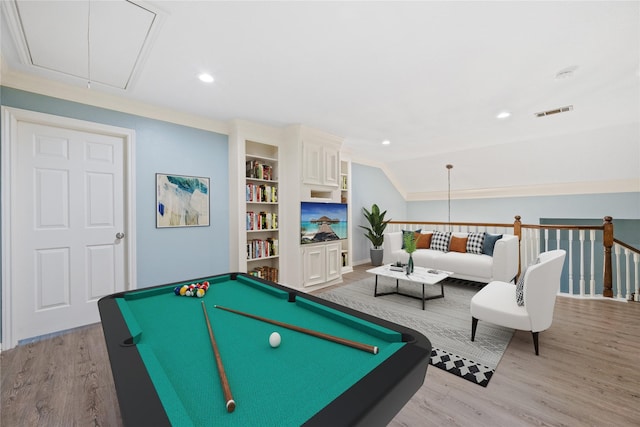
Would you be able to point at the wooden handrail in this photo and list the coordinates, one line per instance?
(626, 246)
(481, 224)
(607, 239)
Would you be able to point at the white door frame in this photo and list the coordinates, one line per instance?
(10, 119)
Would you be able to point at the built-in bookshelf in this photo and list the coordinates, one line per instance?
(262, 214)
(345, 197)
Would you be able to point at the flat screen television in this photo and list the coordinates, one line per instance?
(322, 222)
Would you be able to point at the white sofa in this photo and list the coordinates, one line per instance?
(502, 265)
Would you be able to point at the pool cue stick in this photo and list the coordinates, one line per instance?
(226, 389)
(360, 346)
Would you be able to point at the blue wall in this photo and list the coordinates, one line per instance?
(371, 185)
(169, 254)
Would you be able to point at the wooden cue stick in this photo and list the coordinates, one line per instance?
(360, 346)
(226, 389)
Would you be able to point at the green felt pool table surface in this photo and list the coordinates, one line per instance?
(287, 385)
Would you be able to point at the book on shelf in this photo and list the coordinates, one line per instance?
(266, 273)
(256, 170)
(261, 221)
(261, 193)
(262, 248)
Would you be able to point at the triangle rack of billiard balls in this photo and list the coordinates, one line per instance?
(192, 290)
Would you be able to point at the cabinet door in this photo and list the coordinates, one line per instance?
(314, 260)
(331, 166)
(312, 163)
(334, 266)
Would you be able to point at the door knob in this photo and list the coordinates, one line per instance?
(119, 235)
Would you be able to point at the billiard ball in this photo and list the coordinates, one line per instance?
(274, 339)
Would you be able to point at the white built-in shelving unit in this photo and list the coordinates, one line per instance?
(261, 210)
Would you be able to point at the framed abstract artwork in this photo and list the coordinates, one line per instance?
(182, 201)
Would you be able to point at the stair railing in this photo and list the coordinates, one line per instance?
(586, 272)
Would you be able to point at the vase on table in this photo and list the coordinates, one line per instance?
(410, 265)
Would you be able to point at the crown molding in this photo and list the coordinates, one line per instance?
(41, 86)
(630, 185)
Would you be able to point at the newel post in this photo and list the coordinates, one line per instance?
(607, 241)
(517, 230)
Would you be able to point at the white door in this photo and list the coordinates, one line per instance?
(67, 216)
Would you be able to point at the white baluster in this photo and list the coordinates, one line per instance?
(636, 261)
(546, 239)
(627, 283)
(616, 249)
(558, 238)
(592, 280)
(582, 282)
(570, 262)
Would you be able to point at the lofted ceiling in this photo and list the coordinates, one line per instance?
(429, 76)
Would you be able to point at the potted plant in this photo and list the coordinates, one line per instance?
(375, 232)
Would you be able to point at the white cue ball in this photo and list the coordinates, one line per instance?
(274, 339)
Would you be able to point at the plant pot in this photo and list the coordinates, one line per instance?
(376, 256)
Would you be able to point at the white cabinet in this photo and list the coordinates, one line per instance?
(320, 164)
(321, 263)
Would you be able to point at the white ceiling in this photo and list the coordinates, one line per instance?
(428, 76)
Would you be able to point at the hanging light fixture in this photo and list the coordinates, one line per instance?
(89, 44)
(449, 167)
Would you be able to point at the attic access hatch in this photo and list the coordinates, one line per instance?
(97, 41)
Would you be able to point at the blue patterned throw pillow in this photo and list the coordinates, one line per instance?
(475, 242)
(440, 241)
(520, 285)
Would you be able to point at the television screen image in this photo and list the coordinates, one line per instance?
(322, 222)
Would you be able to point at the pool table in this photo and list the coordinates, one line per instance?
(164, 369)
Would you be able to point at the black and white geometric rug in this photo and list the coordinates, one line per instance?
(445, 321)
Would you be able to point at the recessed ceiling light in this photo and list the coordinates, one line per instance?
(503, 115)
(386, 142)
(207, 78)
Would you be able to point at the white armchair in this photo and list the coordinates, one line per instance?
(497, 301)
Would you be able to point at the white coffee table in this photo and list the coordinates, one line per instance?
(424, 276)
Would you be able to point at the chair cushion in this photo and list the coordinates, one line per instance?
(496, 303)
(475, 242)
(440, 241)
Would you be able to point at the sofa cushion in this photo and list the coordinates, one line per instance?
(489, 243)
(440, 241)
(423, 240)
(405, 232)
(458, 244)
(475, 242)
(466, 265)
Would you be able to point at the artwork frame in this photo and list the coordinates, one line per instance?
(182, 201)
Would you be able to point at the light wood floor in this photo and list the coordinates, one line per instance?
(587, 374)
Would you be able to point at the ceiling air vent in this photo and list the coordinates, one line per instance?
(554, 111)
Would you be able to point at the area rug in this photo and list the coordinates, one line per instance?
(446, 322)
